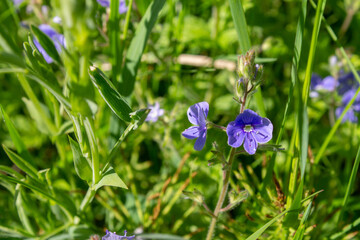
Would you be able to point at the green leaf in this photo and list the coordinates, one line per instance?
(112, 97)
(20, 207)
(82, 166)
(110, 178)
(11, 172)
(13, 59)
(21, 163)
(16, 139)
(294, 80)
(46, 43)
(239, 19)
(60, 199)
(137, 47)
(302, 227)
(36, 116)
(260, 231)
(51, 87)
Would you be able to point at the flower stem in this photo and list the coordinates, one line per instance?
(223, 193)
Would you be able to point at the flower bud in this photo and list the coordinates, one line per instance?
(258, 74)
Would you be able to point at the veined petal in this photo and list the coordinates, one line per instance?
(200, 142)
(235, 135)
(263, 132)
(198, 112)
(248, 117)
(250, 144)
(192, 132)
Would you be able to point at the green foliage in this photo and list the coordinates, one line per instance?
(78, 156)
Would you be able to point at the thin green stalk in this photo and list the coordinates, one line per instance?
(294, 81)
(30, 93)
(89, 128)
(123, 39)
(87, 199)
(350, 185)
(114, 38)
(222, 195)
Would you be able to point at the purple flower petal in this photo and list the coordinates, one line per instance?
(200, 142)
(329, 83)
(349, 115)
(248, 117)
(122, 5)
(192, 132)
(197, 113)
(235, 135)
(250, 145)
(263, 132)
(155, 112)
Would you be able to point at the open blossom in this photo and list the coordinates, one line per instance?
(57, 38)
(249, 128)
(328, 84)
(122, 5)
(155, 112)
(197, 115)
(113, 236)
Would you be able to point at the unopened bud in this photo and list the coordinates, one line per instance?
(258, 74)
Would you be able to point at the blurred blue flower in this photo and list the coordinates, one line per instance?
(57, 20)
(57, 38)
(349, 116)
(113, 236)
(155, 112)
(122, 5)
(249, 128)
(197, 115)
(347, 82)
(17, 2)
(355, 108)
(328, 84)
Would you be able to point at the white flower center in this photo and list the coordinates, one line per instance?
(248, 128)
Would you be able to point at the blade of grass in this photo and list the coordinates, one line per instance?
(350, 185)
(114, 21)
(294, 80)
(260, 231)
(301, 229)
(239, 19)
(137, 46)
(303, 133)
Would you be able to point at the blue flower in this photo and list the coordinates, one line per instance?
(57, 38)
(328, 84)
(197, 115)
(249, 128)
(122, 5)
(155, 112)
(347, 82)
(113, 236)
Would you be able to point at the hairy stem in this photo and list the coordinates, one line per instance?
(222, 195)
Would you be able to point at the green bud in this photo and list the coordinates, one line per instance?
(195, 195)
(258, 74)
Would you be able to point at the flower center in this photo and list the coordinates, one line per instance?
(248, 128)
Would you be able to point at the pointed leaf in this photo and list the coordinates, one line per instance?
(112, 97)
(82, 166)
(15, 137)
(110, 178)
(21, 163)
(137, 47)
(46, 43)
